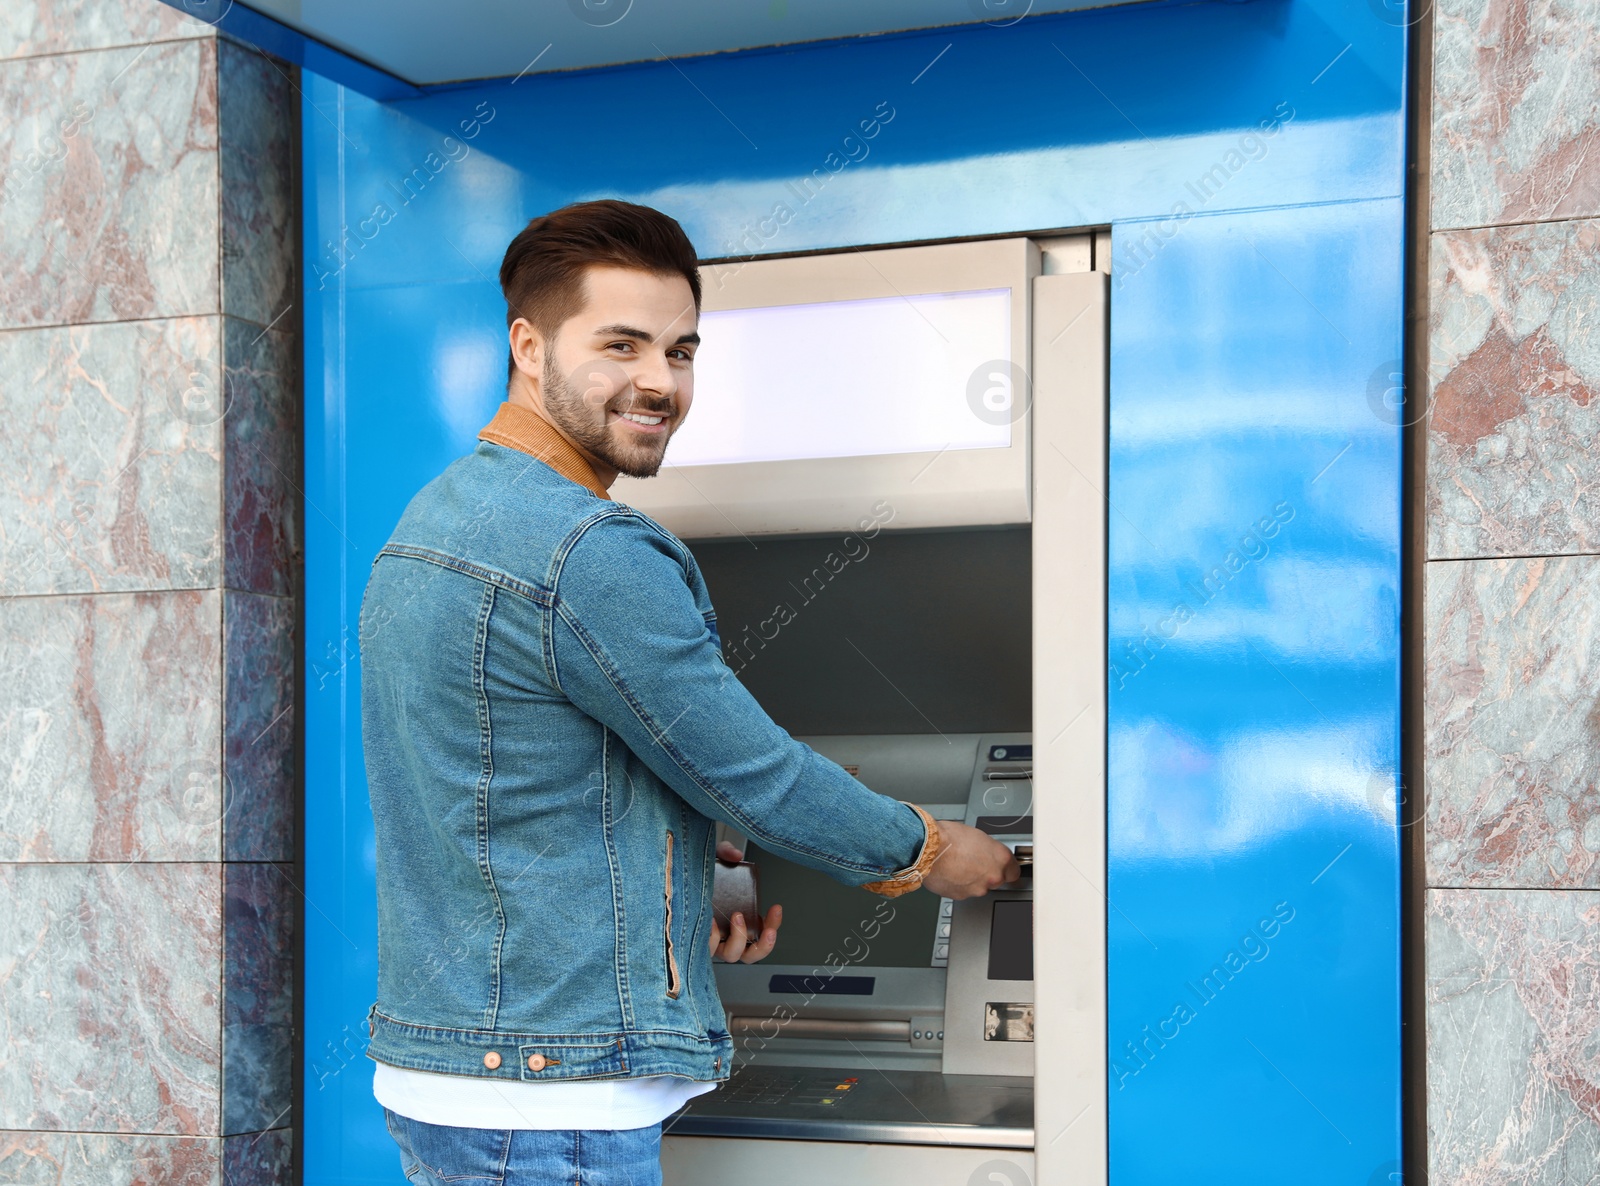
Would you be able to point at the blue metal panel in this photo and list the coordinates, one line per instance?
(1253, 700)
(1249, 750)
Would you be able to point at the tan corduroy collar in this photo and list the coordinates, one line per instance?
(517, 428)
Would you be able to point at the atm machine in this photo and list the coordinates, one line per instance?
(894, 481)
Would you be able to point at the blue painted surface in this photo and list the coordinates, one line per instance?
(1248, 751)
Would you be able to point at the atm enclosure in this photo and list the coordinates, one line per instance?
(943, 407)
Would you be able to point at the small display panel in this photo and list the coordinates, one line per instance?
(903, 374)
(1011, 941)
(828, 925)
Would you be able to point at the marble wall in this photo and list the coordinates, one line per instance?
(149, 557)
(1512, 596)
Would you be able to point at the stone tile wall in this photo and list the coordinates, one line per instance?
(1512, 682)
(148, 567)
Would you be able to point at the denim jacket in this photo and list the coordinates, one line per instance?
(550, 732)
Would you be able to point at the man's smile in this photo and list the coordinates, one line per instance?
(643, 421)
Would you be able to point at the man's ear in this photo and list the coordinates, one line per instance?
(527, 348)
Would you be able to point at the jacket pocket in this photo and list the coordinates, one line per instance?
(673, 983)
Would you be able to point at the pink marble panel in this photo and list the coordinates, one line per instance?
(1512, 722)
(30, 27)
(63, 1159)
(108, 175)
(111, 1009)
(1515, 352)
(1513, 990)
(258, 1037)
(111, 727)
(259, 649)
(1516, 111)
(262, 443)
(111, 462)
(257, 108)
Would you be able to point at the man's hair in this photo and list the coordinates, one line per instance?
(542, 273)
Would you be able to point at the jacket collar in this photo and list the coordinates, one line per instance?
(517, 428)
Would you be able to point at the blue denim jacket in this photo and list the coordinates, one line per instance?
(549, 732)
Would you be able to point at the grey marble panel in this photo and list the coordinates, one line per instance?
(111, 727)
(93, 1159)
(257, 106)
(1512, 722)
(1513, 990)
(262, 447)
(108, 170)
(111, 1016)
(258, 1159)
(29, 27)
(1515, 355)
(1516, 111)
(258, 1038)
(259, 649)
(111, 465)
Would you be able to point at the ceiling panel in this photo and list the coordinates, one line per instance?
(425, 41)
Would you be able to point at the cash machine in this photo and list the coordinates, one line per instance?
(895, 485)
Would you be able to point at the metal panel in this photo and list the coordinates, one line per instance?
(937, 487)
(1069, 713)
(1254, 695)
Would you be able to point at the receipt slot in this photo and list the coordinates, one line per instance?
(959, 665)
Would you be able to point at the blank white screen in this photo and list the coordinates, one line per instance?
(844, 379)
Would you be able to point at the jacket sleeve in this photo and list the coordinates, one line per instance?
(630, 647)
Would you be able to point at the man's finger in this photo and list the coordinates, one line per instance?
(738, 937)
(762, 948)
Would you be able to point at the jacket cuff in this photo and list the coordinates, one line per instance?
(910, 878)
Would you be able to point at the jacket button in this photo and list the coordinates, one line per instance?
(536, 1062)
(492, 1060)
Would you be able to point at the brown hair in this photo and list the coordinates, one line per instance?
(542, 273)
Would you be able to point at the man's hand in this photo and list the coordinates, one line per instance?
(970, 864)
(737, 947)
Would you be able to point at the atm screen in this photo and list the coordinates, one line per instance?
(1011, 941)
(825, 923)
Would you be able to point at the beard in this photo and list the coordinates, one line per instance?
(586, 419)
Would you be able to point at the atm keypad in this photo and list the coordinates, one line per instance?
(783, 1085)
(941, 940)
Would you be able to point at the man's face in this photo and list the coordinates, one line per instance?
(618, 377)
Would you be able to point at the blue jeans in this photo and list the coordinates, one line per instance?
(434, 1155)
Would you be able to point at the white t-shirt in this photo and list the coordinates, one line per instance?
(470, 1101)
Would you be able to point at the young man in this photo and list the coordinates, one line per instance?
(550, 733)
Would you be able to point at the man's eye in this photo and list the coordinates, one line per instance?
(621, 346)
(684, 355)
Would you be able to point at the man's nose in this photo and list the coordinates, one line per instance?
(654, 374)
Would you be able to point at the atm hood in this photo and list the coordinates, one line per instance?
(420, 43)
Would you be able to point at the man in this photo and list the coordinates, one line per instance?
(550, 733)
